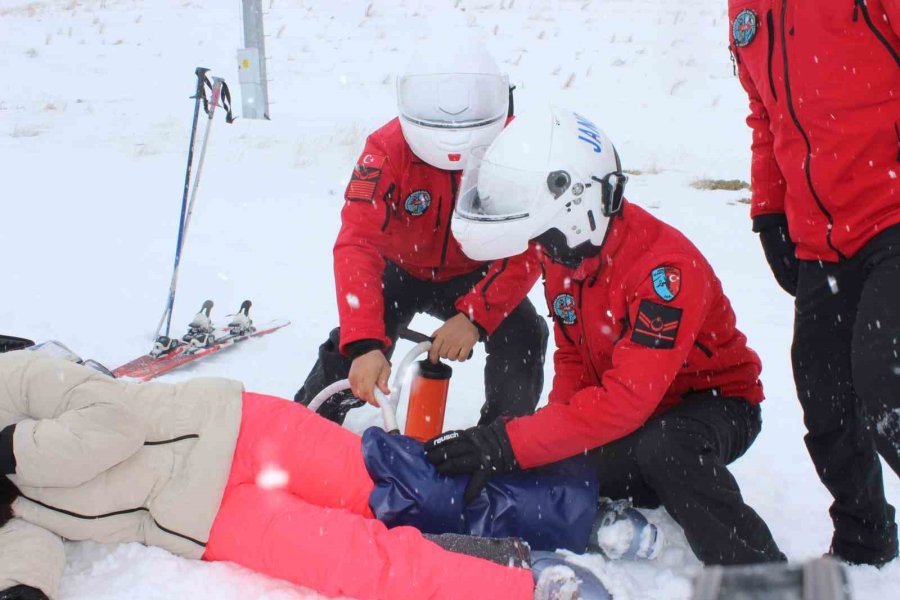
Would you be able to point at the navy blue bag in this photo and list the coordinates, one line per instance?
(551, 507)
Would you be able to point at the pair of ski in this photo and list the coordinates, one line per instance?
(201, 340)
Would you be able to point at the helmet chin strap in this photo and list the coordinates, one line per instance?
(553, 243)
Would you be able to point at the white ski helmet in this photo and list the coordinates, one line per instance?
(451, 98)
(554, 178)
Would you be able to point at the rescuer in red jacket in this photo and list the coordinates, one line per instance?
(823, 79)
(396, 256)
(652, 378)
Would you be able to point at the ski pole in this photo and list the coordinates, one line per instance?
(198, 97)
(216, 95)
(220, 93)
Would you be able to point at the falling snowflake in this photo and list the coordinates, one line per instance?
(272, 478)
(352, 301)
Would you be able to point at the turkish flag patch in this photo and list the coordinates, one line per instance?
(656, 325)
(365, 178)
(666, 282)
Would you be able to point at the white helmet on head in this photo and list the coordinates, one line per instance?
(451, 98)
(554, 178)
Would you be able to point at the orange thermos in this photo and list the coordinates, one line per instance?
(428, 400)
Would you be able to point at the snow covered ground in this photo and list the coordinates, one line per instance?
(94, 123)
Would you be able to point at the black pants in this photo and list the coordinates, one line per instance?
(678, 460)
(513, 371)
(846, 357)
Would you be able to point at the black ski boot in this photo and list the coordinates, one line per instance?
(555, 578)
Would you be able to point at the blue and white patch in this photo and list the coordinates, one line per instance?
(564, 307)
(417, 202)
(744, 27)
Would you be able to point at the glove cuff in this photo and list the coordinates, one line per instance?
(771, 221)
(360, 347)
(507, 457)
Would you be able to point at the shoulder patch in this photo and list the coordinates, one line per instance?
(656, 325)
(417, 203)
(744, 27)
(666, 282)
(365, 178)
(564, 307)
(373, 161)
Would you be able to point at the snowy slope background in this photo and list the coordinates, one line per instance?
(94, 123)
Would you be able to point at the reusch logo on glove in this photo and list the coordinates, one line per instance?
(446, 438)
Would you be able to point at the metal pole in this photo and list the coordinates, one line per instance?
(252, 63)
(199, 97)
(218, 85)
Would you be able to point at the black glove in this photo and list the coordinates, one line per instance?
(779, 249)
(480, 451)
(23, 592)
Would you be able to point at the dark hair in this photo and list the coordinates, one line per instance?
(8, 493)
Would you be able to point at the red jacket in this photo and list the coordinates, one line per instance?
(637, 327)
(824, 83)
(398, 208)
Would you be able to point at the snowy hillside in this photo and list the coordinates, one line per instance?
(94, 124)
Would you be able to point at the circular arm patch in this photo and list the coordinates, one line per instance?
(744, 27)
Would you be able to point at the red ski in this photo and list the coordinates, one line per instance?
(199, 343)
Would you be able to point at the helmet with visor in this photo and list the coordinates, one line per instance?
(451, 98)
(552, 178)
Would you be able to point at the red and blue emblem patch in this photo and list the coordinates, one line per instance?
(744, 27)
(417, 203)
(666, 282)
(656, 325)
(564, 307)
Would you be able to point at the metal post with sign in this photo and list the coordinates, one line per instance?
(252, 64)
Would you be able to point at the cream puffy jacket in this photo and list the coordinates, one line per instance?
(100, 459)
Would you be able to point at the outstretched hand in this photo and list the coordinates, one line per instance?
(367, 371)
(479, 451)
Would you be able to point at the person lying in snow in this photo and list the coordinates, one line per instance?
(208, 471)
